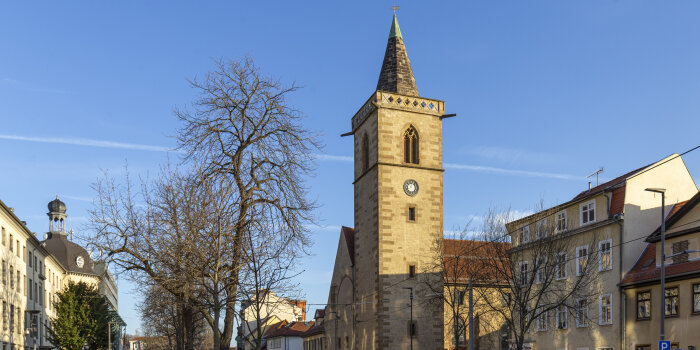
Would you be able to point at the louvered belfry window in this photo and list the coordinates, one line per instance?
(410, 141)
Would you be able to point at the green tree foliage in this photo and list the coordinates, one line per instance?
(82, 316)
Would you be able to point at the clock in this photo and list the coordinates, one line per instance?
(79, 261)
(410, 187)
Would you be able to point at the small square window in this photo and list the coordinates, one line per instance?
(411, 271)
(411, 214)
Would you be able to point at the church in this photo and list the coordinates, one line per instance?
(384, 278)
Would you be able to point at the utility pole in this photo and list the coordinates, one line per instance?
(410, 327)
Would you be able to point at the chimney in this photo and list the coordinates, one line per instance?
(589, 185)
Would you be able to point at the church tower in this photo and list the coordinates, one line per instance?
(398, 210)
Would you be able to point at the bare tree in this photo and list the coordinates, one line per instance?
(243, 129)
(163, 232)
(458, 257)
(266, 285)
(536, 275)
(161, 317)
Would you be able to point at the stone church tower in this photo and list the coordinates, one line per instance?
(398, 211)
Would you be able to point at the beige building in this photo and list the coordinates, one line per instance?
(610, 221)
(398, 214)
(34, 271)
(682, 296)
(273, 309)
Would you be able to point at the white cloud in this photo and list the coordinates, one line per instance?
(494, 170)
(331, 157)
(16, 84)
(510, 155)
(324, 227)
(88, 143)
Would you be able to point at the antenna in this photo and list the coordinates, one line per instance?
(596, 176)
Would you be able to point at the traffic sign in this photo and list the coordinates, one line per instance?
(664, 345)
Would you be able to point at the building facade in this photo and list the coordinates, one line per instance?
(681, 300)
(34, 271)
(606, 224)
(381, 265)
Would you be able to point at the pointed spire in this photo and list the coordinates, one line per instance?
(396, 74)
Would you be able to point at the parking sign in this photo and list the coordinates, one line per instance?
(664, 345)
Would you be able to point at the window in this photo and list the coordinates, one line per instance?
(644, 305)
(12, 242)
(605, 309)
(560, 221)
(461, 332)
(541, 229)
(410, 141)
(365, 152)
(276, 343)
(680, 247)
(606, 348)
(17, 250)
(581, 260)
(560, 266)
(587, 212)
(542, 320)
(30, 289)
(411, 214)
(4, 315)
(523, 273)
(459, 297)
(541, 270)
(30, 259)
(525, 234)
(671, 301)
(4, 240)
(696, 298)
(12, 278)
(642, 347)
(605, 255)
(582, 313)
(411, 271)
(561, 317)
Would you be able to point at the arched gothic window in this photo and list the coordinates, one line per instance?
(410, 145)
(365, 152)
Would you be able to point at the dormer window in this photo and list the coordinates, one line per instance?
(410, 144)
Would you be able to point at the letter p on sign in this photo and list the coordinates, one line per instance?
(664, 345)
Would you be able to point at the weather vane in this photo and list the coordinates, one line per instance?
(395, 8)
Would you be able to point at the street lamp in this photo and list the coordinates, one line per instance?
(662, 191)
(34, 326)
(410, 326)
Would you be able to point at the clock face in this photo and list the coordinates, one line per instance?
(410, 187)
(79, 261)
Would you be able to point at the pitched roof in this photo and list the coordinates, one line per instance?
(294, 329)
(396, 74)
(463, 260)
(614, 182)
(646, 271)
(316, 329)
(320, 313)
(676, 213)
(349, 234)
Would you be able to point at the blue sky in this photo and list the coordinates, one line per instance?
(541, 89)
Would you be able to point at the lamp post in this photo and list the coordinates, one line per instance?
(33, 326)
(410, 326)
(662, 191)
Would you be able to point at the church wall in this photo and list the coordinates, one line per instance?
(402, 242)
(366, 242)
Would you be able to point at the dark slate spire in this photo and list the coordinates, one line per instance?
(396, 74)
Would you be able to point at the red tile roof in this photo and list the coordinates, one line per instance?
(645, 270)
(614, 182)
(349, 234)
(316, 329)
(320, 313)
(294, 329)
(462, 260)
(676, 213)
